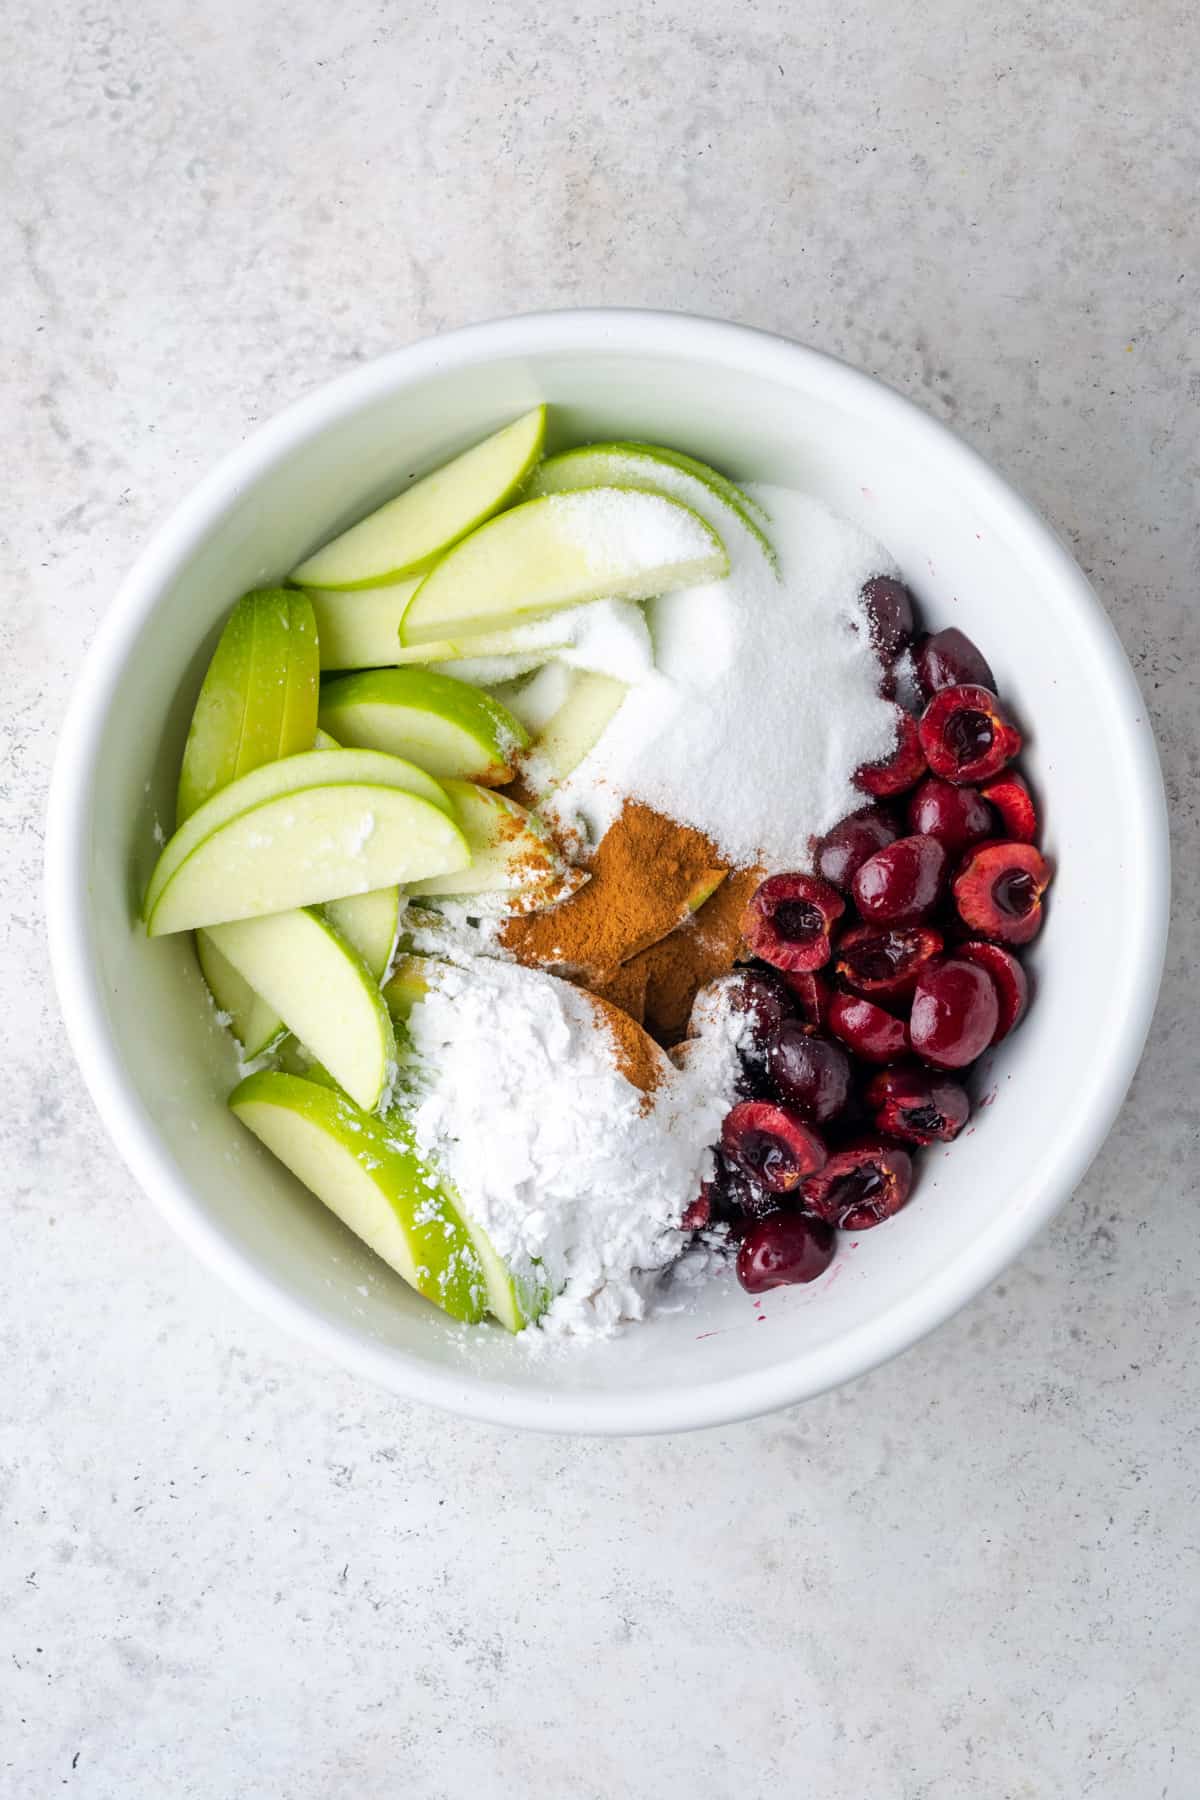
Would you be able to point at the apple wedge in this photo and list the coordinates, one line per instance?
(515, 1301)
(322, 990)
(403, 535)
(738, 498)
(442, 724)
(254, 1024)
(572, 730)
(547, 635)
(366, 1170)
(511, 850)
(304, 848)
(610, 637)
(408, 983)
(258, 700)
(536, 699)
(652, 470)
(369, 923)
(313, 769)
(360, 628)
(559, 551)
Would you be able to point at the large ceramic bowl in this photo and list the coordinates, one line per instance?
(978, 556)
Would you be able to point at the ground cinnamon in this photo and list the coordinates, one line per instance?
(626, 989)
(672, 972)
(645, 873)
(638, 1057)
(657, 919)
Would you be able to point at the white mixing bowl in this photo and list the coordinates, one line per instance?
(762, 409)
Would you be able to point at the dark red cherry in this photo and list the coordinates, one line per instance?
(760, 995)
(788, 920)
(841, 852)
(966, 735)
(1013, 801)
(998, 891)
(883, 961)
(810, 994)
(955, 1012)
(950, 659)
(957, 816)
(917, 1105)
(891, 613)
(770, 1144)
(809, 1072)
(862, 1185)
(902, 883)
(784, 1250)
(872, 1033)
(901, 768)
(1011, 982)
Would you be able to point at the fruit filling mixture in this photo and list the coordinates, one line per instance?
(605, 879)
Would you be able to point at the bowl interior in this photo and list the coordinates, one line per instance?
(976, 557)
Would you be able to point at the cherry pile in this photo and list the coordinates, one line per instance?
(874, 982)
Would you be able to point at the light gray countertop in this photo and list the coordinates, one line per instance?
(230, 1572)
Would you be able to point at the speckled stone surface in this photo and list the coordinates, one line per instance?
(229, 1572)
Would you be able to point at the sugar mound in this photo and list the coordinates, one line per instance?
(765, 696)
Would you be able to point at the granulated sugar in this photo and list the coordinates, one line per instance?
(765, 699)
(623, 529)
(577, 1175)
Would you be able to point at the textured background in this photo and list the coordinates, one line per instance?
(229, 1572)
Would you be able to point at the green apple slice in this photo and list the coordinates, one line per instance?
(442, 724)
(366, 1171)
(511, 850)
(572, 731)
(360, 628)
(258, 701)
(291, 1057)
(545, 635)
(322, 990)
(407, 984)
(603, 543)
(536, 700)
(611, 637)
(738, 498)
(432, 514)
(305, 848)
(515, 1301)
(369, 923)
(254, 1024)
(509, 693)
(655, 471)
(313, 769)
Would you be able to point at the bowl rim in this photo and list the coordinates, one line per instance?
(674, 335)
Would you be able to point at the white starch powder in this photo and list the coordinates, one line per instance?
(563, 1161)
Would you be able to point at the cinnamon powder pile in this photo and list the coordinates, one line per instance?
(638, 1057)
(672, 972)
(645, 873)
(658, 918)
